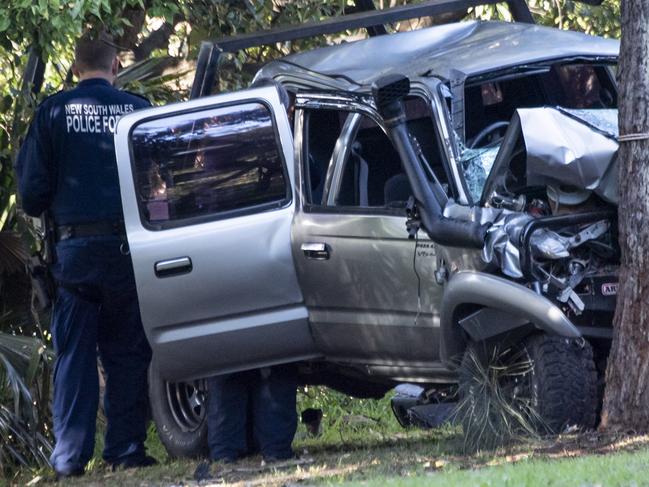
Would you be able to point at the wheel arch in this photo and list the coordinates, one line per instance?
(477, 305)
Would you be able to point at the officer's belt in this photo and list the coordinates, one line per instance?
(65, 232)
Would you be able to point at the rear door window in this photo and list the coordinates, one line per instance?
(207, 165)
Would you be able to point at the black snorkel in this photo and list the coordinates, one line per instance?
(389, 92)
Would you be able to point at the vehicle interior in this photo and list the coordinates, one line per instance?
(373, 176)
(491, 103)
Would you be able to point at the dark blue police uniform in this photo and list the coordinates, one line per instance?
(67, 166)
(252, 411)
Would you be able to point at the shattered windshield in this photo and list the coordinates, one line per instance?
(476, 165)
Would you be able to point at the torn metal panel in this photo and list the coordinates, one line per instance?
(548, 244)
(565, 149)
(501, 243)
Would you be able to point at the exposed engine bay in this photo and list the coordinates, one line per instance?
(548, 190)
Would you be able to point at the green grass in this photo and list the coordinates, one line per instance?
(617, 469)
(414, 458)
(345, 420)
(362, 444)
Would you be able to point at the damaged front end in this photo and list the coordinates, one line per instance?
(549, 191)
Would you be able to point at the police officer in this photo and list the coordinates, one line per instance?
(67, 166)
(254, 410)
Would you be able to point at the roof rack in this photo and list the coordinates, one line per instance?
(210, 51)
(369, 18)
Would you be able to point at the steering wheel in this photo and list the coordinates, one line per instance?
(487, 131)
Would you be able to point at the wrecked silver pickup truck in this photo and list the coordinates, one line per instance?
(435, 191)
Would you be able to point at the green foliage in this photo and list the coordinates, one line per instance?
(346, 419)
(603, 20)
(213, 20)
(25, 367)
(53, 24)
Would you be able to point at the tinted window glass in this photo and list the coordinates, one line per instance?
(584, 86)
(206, 163)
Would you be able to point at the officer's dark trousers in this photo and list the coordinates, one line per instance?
(264, 397)
(97, 311)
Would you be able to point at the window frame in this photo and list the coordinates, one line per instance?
(354, 106)
(212, 216)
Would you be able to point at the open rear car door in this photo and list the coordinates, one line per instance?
(207, 190)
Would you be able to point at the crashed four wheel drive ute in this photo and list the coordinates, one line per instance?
(437, 192)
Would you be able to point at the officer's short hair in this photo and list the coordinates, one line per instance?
(95, 50)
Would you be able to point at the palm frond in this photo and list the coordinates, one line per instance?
(146, 70)
(157, 78)
(13, 253)
(496, 405)
(25, 366)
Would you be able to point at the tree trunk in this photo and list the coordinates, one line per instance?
(158, 39)
(626, 400)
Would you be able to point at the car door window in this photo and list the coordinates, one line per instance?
(371, 167)
(205, 165)
(373, 174)
(348, 155)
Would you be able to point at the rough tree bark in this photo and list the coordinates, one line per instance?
(626, 400)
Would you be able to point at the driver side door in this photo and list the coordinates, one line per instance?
(370, 289)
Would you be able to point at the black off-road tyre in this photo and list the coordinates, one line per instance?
(564, 382)
(561, 382)
(178, 410)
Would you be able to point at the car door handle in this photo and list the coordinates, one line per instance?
(173, 267)
(315, 250)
